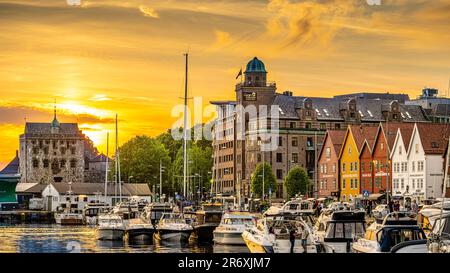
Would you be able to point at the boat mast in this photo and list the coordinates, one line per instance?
(106, 168)
(184, 126)
(118, 162)
(117, 166)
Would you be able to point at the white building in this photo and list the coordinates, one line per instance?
(57, 194)
(426, 160)
(399, 160)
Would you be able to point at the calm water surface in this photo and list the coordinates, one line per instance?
(60, 239)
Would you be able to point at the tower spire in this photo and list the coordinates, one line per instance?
(55, 122)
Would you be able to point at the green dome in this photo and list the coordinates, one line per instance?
(255, 65)
(55, 123)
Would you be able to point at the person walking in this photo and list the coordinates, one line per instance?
(292, 239)
(305, 235)
(397, 206)
(414, 207)
(391, 205)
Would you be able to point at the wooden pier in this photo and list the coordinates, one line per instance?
(27, 217)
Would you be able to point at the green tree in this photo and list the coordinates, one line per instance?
(140, 159)
(296, 181)
(199, 167)
(257, 179)
(170, 143)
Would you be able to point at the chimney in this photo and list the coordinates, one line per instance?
(17, 153)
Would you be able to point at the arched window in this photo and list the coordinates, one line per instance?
(73, 163)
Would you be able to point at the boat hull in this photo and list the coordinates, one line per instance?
(69, 221)
(175, 236)
(140, 235)
(204, 233)
(255, 247)
(110, 234)
(228, 238)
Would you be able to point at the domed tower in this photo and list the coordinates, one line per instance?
(254, 89)
(255, 73)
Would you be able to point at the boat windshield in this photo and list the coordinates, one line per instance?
(348, 230)
(238, 221)
(392, 237)
(175, 221)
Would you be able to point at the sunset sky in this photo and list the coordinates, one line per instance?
(104, 57)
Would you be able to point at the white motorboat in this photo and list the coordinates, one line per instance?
(231, 227)
(396, 229)
(272, 235)
(68, 215)
(92, 210)
(68, 218)
(110, 227)
(152, 212)
(342, 229)
(439, 239)
(172, 227)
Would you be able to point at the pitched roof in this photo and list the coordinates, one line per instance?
(362, 133)
(434, 137)
(390, 129)
(337, 139)
(30, 187)
(93, 188)
(12, 167)
(45, 128)
(370, 110)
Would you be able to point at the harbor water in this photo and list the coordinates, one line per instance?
(82, 239)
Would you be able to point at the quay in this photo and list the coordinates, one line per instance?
(27, 217)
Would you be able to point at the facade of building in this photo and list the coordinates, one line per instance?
(349, 159)
(399, 161)
(366, 168)
(56, 152)
(426, 160)
(328, 164)
(302, 124)
(436, 108)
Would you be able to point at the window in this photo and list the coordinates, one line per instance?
(417, 148)
(73, 163)
(321, 168)
(402, 183)
(334, 168)
(343, 167)
(325, 168)
(343, 183)
(45, 163)
(292, 125)
(337, 126)
(309, 142)
(280, 141)
(294, 142)
(46, 150)
(35, 163)
(72, 150)
(294, 158)
(420, 166)
(62, 163)
(362, 166)
(308, 125)
(356, 166)
(349, 150)
(334, 184)
(414, 183)
(279, 174)
(279, 157)
(323, 126)
(328, 152)
(351, 183)
(381, 146)
(400, 150)
(370, 166)
(413, 166)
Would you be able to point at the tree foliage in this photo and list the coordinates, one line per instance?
(296, 181)
(257, 180)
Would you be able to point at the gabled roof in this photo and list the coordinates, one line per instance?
(93, 188)
(365, 145)
(360, 135)
(434, 137)
(12, 167)
(46, 128)
(391, 129)
(337, 139)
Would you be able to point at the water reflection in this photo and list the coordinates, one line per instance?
(76, 239)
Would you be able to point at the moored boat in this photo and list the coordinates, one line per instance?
(231, 227)
(138, 230)
(208, 219)
(110, 227)
(172, 227)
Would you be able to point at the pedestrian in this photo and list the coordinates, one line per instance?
(305, 235)
(292, 239)
(397, 206)
(414, 207)
(369, 208)
(391, 205)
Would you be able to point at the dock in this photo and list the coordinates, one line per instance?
(27, 217)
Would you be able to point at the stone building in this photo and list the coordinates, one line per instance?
(54, 152)
(302, 124)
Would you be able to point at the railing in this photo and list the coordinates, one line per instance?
(255, 84)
